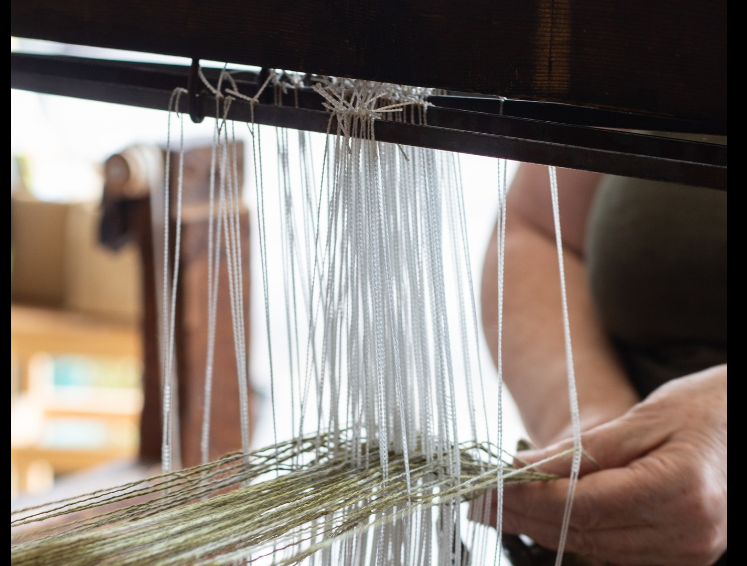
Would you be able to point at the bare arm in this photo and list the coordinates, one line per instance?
(661, 496)
(534, 355)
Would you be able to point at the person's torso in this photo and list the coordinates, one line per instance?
(657, 262)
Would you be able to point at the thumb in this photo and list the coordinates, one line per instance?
(612, 445)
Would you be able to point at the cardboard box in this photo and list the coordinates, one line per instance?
(37, 237)
(98, 281)
(58, 263)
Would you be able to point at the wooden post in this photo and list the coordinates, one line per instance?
(192, 336)
(127, 216)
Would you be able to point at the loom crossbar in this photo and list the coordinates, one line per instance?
(449, 128)
(653, 57)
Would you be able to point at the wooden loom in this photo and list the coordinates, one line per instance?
(569, 70)
(584, 65)
(566, 68)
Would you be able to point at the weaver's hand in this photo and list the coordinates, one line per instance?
(661, 496)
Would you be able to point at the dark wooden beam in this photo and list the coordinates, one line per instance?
(659, 57)
(493, 135)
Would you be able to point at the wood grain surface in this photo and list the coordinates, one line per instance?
(662, 57)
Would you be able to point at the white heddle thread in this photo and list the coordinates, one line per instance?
(169, 447)
(572, 391)
(370, 259)
(355, 146)
(214, 256)
(501, 228)
(224, 165)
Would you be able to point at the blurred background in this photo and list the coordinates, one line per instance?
(80, 332)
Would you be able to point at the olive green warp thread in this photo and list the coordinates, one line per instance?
(212, 514)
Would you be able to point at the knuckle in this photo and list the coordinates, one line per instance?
(703, 517)
(706, 545)
(583, 542)
(704, 501)
(712, 541)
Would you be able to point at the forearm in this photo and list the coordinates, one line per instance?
(533, 343)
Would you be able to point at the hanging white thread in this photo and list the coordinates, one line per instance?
(229, 222)
(214, 262)
(288, 242)
(214, 252)
(572, 391)
(233, 174)
(382, 209)
(501, 228)
(170, 428)
(259, 188)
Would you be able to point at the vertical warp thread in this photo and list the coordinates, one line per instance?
(572, 391)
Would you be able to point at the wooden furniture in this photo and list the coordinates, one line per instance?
(36, 405)
(127, 218)
(36, 330)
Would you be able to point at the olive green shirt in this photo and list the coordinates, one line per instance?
(657, 263)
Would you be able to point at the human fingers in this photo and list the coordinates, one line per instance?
(546, 534)
(665, 472)
(684, 516)
(607, 499)
(611, 445)
(626, 546)
(633, 545)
